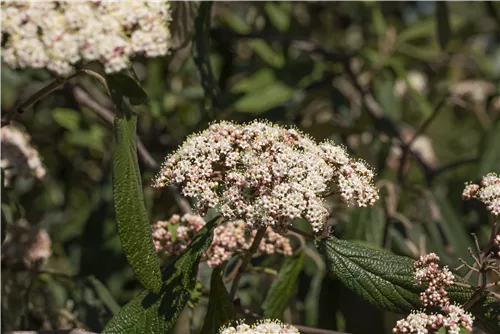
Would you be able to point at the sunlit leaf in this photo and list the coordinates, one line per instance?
(283, 288)
(158, 312)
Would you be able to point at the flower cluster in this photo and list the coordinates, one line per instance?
(452, 317)
(452, 321)
(60, 34)
(262, 327)
(25, 246)
(173, 236)
(488, 192)
(18, 156)
(266, 175)
(427, 270)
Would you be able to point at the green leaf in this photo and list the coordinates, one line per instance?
(133, 223)
(104, 294)
(3, 227)
(366, 225)
(490, 158)
(259, 101)
(220, 308)
(158, 312)
(387, 280)
(443, 24)
(259, 79)
(67, 118)
(127, 84)
(283, 288)
(279, 14)
(195, 295)
(201, 55)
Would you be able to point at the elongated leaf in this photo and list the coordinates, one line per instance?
(387, 280)
(104, 294)
(283, 288)
(443, 23)
(490, 158)
(220, 308)
(201, 54)
(133, 223)
(158, 312)
(127, 84)
(3, 220)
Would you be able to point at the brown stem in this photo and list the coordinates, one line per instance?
(246, 260)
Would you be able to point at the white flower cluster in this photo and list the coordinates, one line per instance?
(18, 156)
(25, 245)
(60, 34)
(266, 175)
(487, 192)
(171, 237)
(453, 321)
(264, 327)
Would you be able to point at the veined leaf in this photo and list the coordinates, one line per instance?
(158, 312)
(220, 308)
(282, 289)
(133, 223)
(387, 280)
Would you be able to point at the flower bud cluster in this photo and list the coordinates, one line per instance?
(262, 327)
(25, 246)
(453, 319)
(427, 270)
(173, 236)
(57, 35)
(266, 175)
(18, 156)
(488, 192)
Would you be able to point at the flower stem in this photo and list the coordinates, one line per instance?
(246, 260)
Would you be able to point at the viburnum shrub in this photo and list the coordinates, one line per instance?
(257, 198)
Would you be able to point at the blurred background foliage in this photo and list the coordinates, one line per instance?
(430, 68)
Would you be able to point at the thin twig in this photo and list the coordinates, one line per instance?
(246, 260)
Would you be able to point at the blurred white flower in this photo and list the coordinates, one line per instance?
(61, 34)
(262, 327)
(18, 156)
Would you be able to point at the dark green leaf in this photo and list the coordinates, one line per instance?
(387, 280)
(490, 158)
(127, 84)
(443, 24)
(283, 288)
(201, 55)
(182, 25)
(104, 294)
(158, 312)
(195, 295)
(220, 308)
(3, 227)
(133, 223)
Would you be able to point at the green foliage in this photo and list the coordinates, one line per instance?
(283, 288)
(220, 308)
(133, 222)
(388, 282)
(127, 84)
(151, 312)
